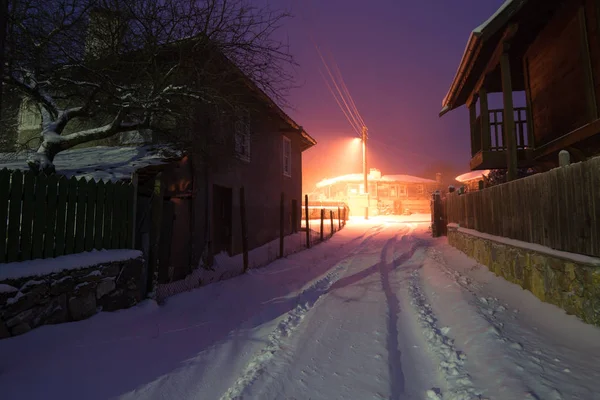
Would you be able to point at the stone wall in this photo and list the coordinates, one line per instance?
(69, 295)
(563, 280)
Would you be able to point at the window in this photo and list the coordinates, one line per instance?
(287, 156)
(420, 189)
(401, 190)
(242, 137)
(29, 117)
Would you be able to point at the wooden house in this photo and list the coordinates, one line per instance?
(550, 50)
(470, 180)
(388, 194)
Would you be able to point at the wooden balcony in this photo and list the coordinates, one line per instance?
(488, 150)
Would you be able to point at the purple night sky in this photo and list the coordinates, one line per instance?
(398, 59)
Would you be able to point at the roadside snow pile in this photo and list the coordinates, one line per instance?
(226, 266)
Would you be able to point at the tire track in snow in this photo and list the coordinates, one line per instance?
(290, 323)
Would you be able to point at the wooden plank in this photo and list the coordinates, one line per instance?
(61, 215)
(4, 196)
(39, 219)
(331, 220)
(244, 225)
(281, 224)
(472, 122)
(50, 231)
(509, 117)
(27, 214)
(14, 217)
(71, 214)
(99, 216)
(529, 102)
(80, 216)
(322, 222)
(485, 120)
(90, 212)
(133, 222)
(108, 215)
(307, 217)
(590, 89)
(155, 234)
(118, 214)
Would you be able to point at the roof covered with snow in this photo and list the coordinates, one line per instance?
(472, 175)
(100, 162)
(479, 36)
(384, 178)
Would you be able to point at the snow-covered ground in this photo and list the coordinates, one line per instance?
(379, 311)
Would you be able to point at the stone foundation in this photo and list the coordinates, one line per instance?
(563, 279)
(69, 295)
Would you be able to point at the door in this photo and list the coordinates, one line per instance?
(222, 220)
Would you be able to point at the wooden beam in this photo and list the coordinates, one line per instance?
(472, 122)
(590, 89)
(494, 60)
(508, 120)
(569, 139)
(529, 102)
(486, 137)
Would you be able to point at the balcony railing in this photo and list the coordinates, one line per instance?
(486, 150)
(496, 131)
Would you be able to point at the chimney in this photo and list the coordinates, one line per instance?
(374, 173)
(438, 178)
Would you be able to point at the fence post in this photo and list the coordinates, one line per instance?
(331, 217)
(322, 220)
(307, 225)
(294, 216)
(564, 158)
(244, 227)
(281, 224)
(339, 215)
(134, 183)
(157, 210)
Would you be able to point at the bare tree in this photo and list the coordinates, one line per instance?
(96, 68)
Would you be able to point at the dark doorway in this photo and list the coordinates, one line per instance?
(222, 219)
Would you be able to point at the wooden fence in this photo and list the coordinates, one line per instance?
(559, 209)
(49, 216)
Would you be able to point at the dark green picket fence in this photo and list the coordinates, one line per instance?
(50, 216)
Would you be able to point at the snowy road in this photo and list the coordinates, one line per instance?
(380, 311)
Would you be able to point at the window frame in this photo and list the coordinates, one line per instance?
(286, 158)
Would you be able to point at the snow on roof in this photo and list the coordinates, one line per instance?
(484, 25)
(100, 162)
(472, 175)
(385, 178)
(406, 179)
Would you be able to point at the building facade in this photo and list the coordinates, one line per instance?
(387, 194)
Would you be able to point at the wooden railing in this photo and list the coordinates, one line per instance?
(496, 126)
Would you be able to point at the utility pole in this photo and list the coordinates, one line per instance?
(365, 172)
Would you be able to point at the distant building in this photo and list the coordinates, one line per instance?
(471, 179)
(388, 194)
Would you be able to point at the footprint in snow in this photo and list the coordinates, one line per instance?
(516, 346)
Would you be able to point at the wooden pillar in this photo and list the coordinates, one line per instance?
(508, 120)
(472, 124)
(590, 89)
(529, 101)
(486, 136)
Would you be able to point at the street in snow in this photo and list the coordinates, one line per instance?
(380, 311)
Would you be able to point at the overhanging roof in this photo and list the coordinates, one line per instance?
(480, 45)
